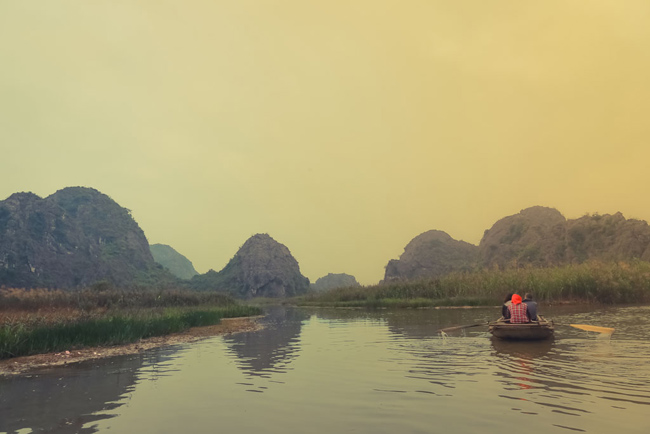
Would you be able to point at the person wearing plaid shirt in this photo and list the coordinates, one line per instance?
(518, 311)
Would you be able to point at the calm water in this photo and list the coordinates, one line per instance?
(349, 371)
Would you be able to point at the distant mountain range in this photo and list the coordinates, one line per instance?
(78, 236)
(536, 236)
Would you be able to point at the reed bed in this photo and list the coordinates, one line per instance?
(22, 338)
(12, 299)
(41, 320)
(590, 282)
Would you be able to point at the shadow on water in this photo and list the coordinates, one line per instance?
(273, 348)
(64, 399)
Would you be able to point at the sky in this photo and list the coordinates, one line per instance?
(342, 128)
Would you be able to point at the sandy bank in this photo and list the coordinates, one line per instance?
(19, 365)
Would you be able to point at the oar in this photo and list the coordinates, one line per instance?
(591, 328)
(448, 329)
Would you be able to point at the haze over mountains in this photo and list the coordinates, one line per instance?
(79, 236)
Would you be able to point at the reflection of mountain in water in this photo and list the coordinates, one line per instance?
(272, 348)
(63, 400)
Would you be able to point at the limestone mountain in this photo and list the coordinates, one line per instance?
(542, 237)
(262, 267)
(432, 254)
(607, 238)
(536, 236)
(176, 263)
(333, 280)
(74, 237)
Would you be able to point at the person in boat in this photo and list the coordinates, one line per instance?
(518, 311)
(504, 309)
(531, 306)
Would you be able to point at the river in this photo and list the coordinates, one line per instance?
(355, 371)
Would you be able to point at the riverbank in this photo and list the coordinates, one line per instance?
(590, 282)
(227, 326)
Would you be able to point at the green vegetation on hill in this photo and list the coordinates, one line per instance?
(599, 282)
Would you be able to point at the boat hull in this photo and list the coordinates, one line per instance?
(533, 331)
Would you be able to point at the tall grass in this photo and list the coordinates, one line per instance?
(90, 299)
(588, 282)
(19, 338)
(41, 320)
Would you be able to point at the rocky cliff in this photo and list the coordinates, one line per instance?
(432, 254)
(173, 261)
(75, 237)
(333, 280)
(262, 267)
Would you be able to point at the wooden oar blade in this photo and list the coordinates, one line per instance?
(448, 329)
(591, 328)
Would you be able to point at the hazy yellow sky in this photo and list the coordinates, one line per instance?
(341, 128)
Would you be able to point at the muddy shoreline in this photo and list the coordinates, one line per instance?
(227, 326)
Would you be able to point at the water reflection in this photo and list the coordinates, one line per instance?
(65, 399)
(377, 371)
(272, 349)
(522, 350)
(426, 323)
(573, 378)
(416, 323)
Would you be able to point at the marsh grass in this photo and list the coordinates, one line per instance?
(12, 299)
(20, 338)
(41, 320)
(591, 282)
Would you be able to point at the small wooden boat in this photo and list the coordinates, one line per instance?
(531, 331)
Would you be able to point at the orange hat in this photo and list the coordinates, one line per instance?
(516, 299)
